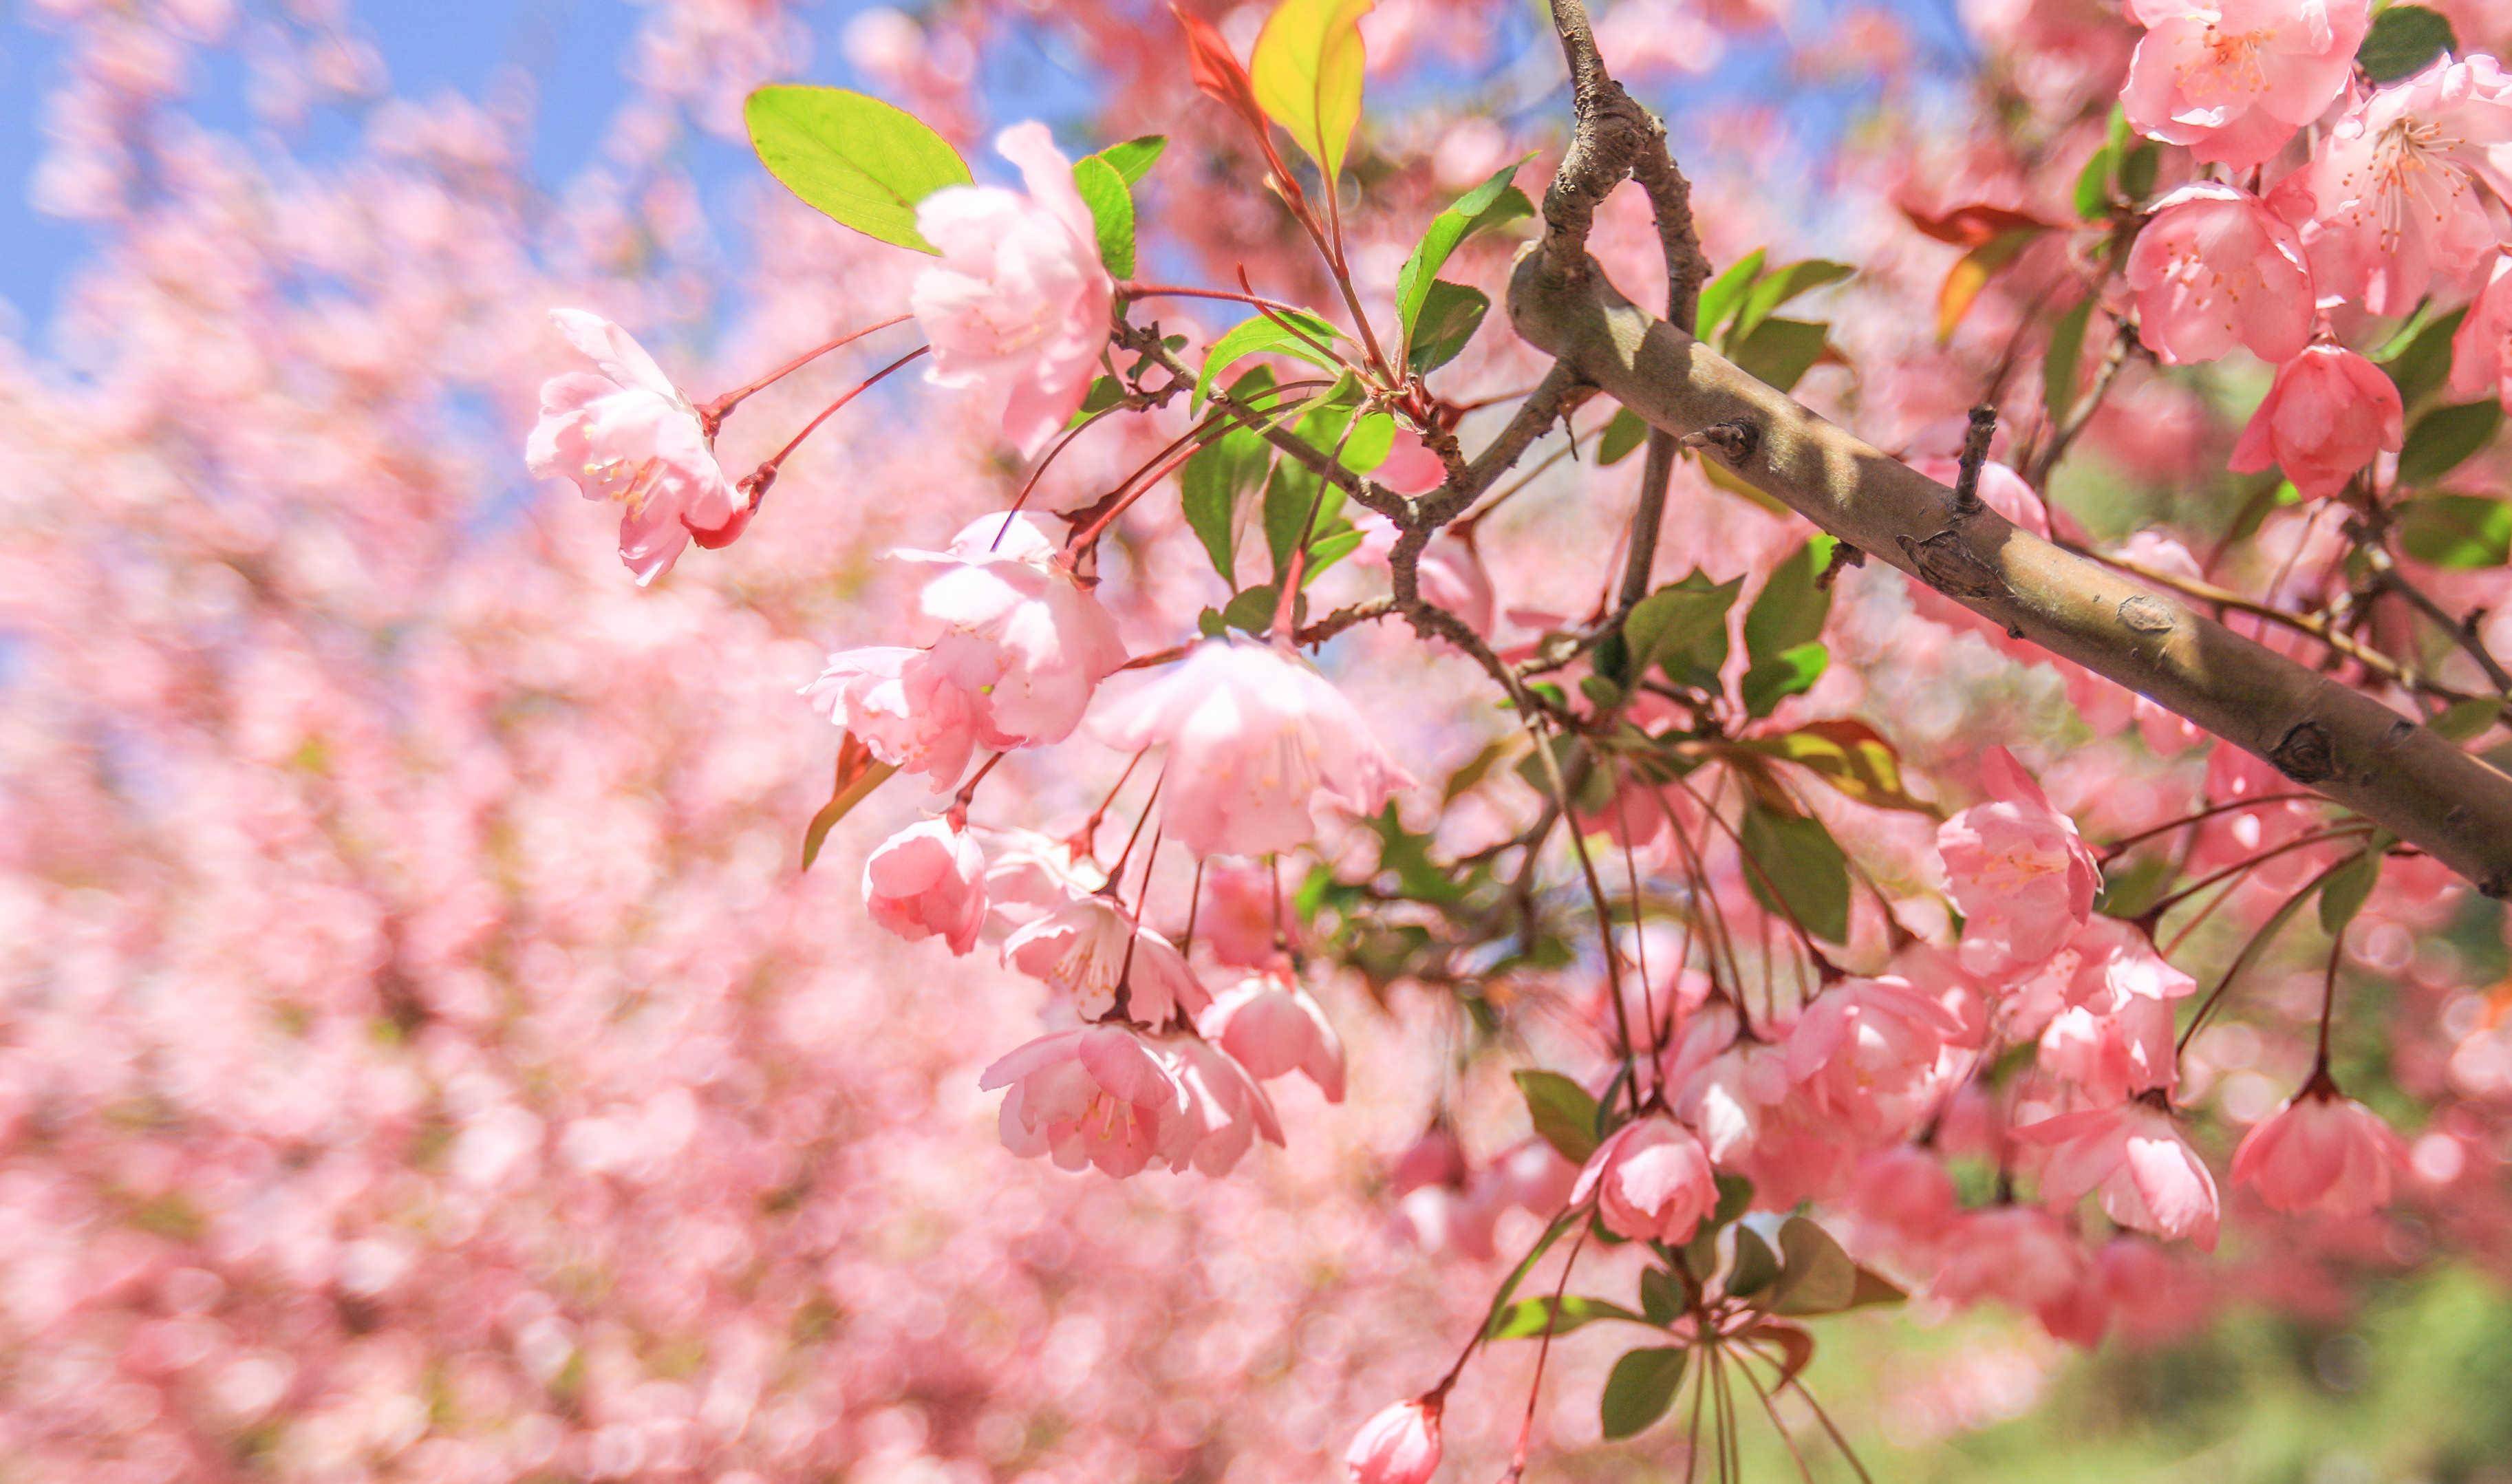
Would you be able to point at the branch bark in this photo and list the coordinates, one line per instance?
(2316, 730)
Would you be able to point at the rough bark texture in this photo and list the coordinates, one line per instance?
(2314, 729)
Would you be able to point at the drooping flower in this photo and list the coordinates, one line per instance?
(1227, 1113)
(2481, 349)
(1018, 306)
(2022, 876)
(1272, 1027)
(1867, 1053)
(2233, 81)
(1652, 1181)
(902, 707)
(2103, 1008)
(1400, 1445)
(1726, 1085)
(2215, 268)
(2322, 1151)
(1090, 946)
(2407, 187)
(928, 881)
(2134, 1153)
(2328, 415)
(1094, 1096)
(624, 433)
(1255, 737)
(2015, 1255)
(1013, 631)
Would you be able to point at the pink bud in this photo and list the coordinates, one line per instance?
(1398, 1446)
(2329, 412)
(928, 881)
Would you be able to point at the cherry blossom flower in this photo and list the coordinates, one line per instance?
(1098, 1096)
(624, 433)
(928, 881)
(2234, 81)
(1018, 307)
(1255, 737)
(2149, 1177)
(1272, 1027)
(2406, 188)
(2015, 1255)
(2215, 268)
(2017, 867)
(902, 706)
(1727, 1086)
(1398, 1446)
(1865, 1053)
(1090, 946)
(2322, 1151)
(1227, 1113)
(1013, 631)
(2328, 415)
(2481, 349)
(1652, 1181)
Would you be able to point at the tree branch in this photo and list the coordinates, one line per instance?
(2315, 730)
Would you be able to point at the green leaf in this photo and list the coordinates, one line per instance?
(1133, 159)
(1851, 757)
(1816, 1276)
(2094, 184)
(2445, 437)
(1754, 1268)
(2344, 893)
(1791, 671)
(1112, 211)
(1620, 436)
(1451, 313)
(1781, 351)
(2424, 362)
(1682, 629)
(1873, 1287)
(2058, 369)
(1327, 549)
(856, 158)
(1801, 868)
(1546, 1314)
(1307, 72)
(1251, 610)
(2465, 721)
(1661, 1295)
(1641, 1388)
(1791, 607)
(2456, 530)
(2403, 39)
(1735, 1198)
(1564, 1116)
(1781, 285)
(1726, 293)
(1289, 495)
(2136, 171)
(1265, 336)
(1221, 475)
(1494, 203)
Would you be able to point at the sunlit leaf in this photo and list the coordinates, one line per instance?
(1112, 211)
(1491, 204)
(1451, 313)
(1726, 293)
(1266, 336)
(1307, 72)
(1682, 629)
(1546, 1314)
(1564, 1116)
(858, 774)
(1973, 271)
(857, 159)
(2456, 530)
(1781, 351)
(1134, 158)
(1781, 285)
(1221, 475)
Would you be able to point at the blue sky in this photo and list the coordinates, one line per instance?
(573, 49)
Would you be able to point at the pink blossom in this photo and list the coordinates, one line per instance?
(2017, 867)
(1013, 631)
(2321, 1153)
(1652, 1181)
(1255, 736)
(1227, 1113)
(2016, 1255)
(1090, 946)
(623, 432)
(902, 706)
(1865, 1053)
(2149, 1177)
(2328, 415)
(1727, 1086)
(2481, 349)
(1096, 1096)
(1398, 1446)
(928, 881)
(2215, 268)
(2406, 189)
(1018, 307)
(2234, 81)
(1272, 1027)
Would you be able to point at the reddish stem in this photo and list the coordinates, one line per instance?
(712, 414)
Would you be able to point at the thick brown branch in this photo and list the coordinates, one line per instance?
(2316, 730)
